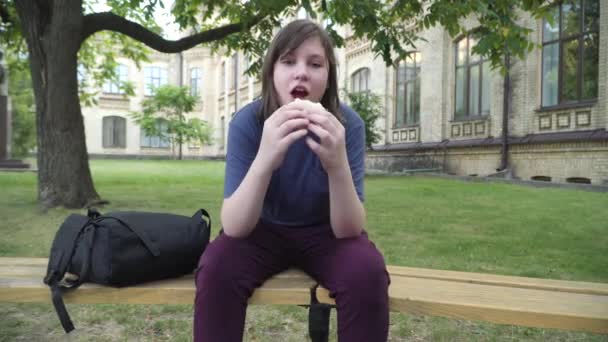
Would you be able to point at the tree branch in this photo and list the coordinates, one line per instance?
(109, 21)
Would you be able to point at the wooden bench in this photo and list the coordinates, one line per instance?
(532, 302)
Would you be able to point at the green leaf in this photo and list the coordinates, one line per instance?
(171, 104)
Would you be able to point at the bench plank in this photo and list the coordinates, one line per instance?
(474, 296)
(496, 303)
(499, 280)
(21, 282)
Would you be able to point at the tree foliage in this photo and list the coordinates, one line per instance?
(170, 104)
(62, 36)
(369, 106)
(392, 27)
(22, 106)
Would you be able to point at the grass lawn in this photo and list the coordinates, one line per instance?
(415, 221)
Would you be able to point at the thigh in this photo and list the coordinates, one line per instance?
(339, 264)
(248, 261)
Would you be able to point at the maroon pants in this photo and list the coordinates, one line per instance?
(231, 268)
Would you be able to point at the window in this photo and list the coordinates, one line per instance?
(195, 81)
(110, 87)
(246, 64)
(570, 53)
(156, 141)
(407, 108)
(114, 132)
(472, 81)
(359, 81)
(235, 71)
(154, 78)
(223, 78)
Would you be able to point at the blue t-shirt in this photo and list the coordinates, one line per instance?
(298, 193)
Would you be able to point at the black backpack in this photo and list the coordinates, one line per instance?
(122, 249)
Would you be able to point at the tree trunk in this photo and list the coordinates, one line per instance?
(180, 150)
(53, 32)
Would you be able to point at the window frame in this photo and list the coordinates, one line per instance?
(417, 62)
(149, 76)
(116, 140)
(110, 87)
(195, 81)
(468, 66)
(562, 40)
(235, 71)
(162, 143)
(359, 74)
(223, 78)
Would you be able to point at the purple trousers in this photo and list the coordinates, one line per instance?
(231, 268)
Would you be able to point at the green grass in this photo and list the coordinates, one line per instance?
(415, 221)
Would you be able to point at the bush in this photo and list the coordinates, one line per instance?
(369, 107)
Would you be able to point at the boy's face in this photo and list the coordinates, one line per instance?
(302, 73)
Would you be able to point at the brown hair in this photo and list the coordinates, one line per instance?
(287, 40)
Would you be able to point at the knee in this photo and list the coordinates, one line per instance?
(215, 272)
(366, 279)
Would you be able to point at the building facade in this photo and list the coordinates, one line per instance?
(444, 107)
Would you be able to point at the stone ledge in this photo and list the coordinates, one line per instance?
(595, 135)
(489, 179)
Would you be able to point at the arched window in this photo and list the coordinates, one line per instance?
(407, 107)
(114, 134)
(472, 81)
(359, 80)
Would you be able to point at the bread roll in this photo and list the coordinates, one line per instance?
(310, 106)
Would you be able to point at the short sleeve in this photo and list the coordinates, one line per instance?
(243, 143)
(355, 149)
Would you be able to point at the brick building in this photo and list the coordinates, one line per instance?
(443, 106)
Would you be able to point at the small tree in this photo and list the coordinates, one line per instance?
(22, 101)
(171, 104)
(369, 107)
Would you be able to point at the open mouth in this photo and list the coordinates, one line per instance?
(299, 92)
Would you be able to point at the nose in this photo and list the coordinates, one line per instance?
(301, 72)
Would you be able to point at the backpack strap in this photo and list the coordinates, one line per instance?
(198, 217)
(59, 288)
(93, 213)
(62, 312)
(59, 260)
(63, 247)
(152, 248)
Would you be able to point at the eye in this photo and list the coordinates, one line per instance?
(287, 61)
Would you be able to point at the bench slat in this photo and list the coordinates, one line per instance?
(499, 280)
(23, 284)
(175, 291)
(467, 277)
(500, 299)
(24, 261)
(498, 304)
